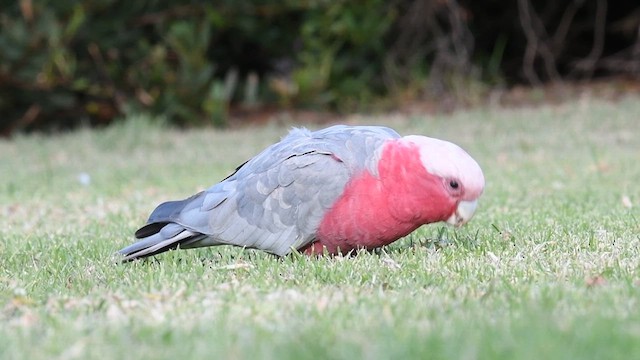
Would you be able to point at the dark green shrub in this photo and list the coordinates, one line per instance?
(64, 63)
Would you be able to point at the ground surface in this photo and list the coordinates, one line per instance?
(548, 268)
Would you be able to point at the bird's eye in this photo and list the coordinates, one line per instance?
(454, 184)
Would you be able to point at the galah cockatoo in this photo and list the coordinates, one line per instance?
(328, 191)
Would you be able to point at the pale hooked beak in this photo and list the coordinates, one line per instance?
(464, 212)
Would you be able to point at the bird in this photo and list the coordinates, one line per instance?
(324, 192)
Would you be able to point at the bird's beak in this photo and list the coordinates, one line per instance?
(464, 212)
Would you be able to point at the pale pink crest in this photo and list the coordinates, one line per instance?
(448, 160)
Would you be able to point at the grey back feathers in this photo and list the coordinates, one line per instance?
(274, 202)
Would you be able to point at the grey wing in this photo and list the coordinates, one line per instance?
(276, 210)
(278, 206)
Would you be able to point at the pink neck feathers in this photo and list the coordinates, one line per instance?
(375, 211)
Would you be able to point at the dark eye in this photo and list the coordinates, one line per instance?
(453, 184)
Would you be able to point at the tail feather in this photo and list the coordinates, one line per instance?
(149, 229)
(158, 243)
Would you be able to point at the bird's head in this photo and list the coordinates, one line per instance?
(460, 175)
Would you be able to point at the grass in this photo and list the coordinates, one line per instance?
(548, 268)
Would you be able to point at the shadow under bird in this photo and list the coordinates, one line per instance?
(327, 191)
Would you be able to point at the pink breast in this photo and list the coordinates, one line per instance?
(375, 211)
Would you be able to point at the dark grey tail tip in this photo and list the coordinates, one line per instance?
(123, 257)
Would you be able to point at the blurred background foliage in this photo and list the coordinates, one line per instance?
(88, 62)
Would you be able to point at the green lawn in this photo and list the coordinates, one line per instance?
(548, 268)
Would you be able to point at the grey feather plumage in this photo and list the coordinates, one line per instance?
(274, 202)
